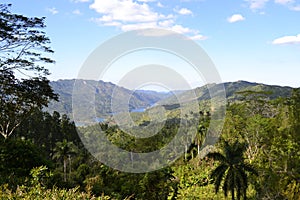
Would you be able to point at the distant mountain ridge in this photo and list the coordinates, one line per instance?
(231, 90)
(143, 98)
(276, 91)
(103, 94)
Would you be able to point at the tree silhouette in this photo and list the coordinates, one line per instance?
(232, 170)
(202, 130)
(63, 150)
(23, 83)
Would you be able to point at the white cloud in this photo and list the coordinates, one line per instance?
(118, 24)
(166, 23)
(284, 2)
(126, 11)
(260, 4)
(290, 4)
(192, 34)
(287, 40)
(235, 18)
(155, 32)
(164, 32)
(184, 11)
(198, 37)
(130, 27)
(295, 8)
(133, 15)
(159, 5)
(53, 10)
(257, 4)
(180, 29)
(77, 12)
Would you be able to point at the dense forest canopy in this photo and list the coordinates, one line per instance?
(42, 156)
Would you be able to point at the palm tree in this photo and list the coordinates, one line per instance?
(232, 170)
(202, 130)
(200, 136)
(63, 150)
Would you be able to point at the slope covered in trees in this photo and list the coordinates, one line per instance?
(103, 95)
(42, 156)
(142, 99)
(267, 134)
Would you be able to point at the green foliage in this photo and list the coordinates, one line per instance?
(270, 128)
(22, 49)
(40, 193)
(39, 175)
(63, 151)
(17, 158)
(45, 130)
(143, 99)
(193, 180)
(232, 170)
(23, 43)
(232, 92)
(42, 157)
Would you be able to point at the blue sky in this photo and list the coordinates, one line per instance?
(252, 40)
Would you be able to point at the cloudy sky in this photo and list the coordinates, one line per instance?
(253, 40)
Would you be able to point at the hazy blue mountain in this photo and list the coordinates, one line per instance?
(142, 99)
(231, 91)
(103, 94)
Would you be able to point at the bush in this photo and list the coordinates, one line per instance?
(17, 158)
(37, 191)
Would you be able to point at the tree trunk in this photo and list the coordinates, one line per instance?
(185, 152)
(131, 158)
(192, 151)
(65, 169)
(70, 169)
(6, 130)
(232, 193)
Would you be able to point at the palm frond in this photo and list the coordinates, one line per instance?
(232, 169)
(247, 167)
(228, 181)
(243, 179)
(217, 157)
(219, 170)
(218, 175)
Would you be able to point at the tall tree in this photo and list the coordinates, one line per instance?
(233, 168)
(23, 83)
(202, 130)
(64, 150)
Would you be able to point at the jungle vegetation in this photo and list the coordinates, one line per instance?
(42, 156)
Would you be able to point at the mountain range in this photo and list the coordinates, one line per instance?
(141, 99)
(102, 92)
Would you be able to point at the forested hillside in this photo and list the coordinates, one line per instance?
(43, 155)
(259, 142)
(103, 92)
(232, 90)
